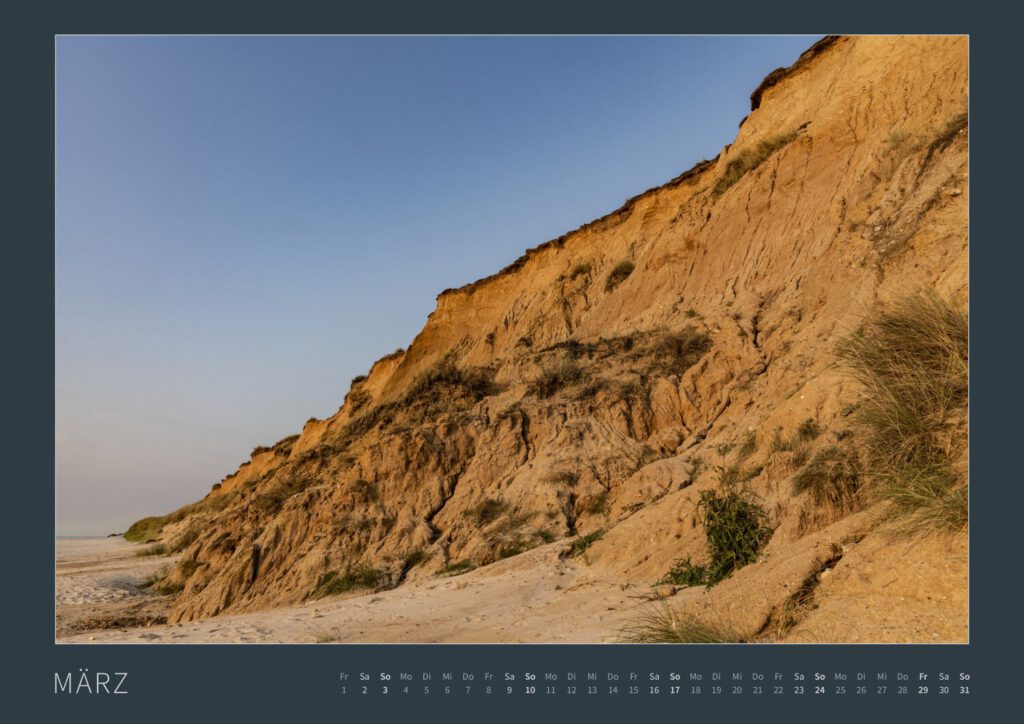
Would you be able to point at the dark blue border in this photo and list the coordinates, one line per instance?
(280, 683)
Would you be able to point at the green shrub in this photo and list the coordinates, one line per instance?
(912, 360)
(618, 274)
(686, 573)
(486, 511)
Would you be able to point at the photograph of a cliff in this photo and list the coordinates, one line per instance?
(734, 409)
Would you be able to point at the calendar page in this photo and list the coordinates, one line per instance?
(500, 370)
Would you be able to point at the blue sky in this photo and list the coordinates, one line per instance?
(245, 224)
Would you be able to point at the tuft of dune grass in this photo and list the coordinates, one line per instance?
(659, 623)
(912, 361)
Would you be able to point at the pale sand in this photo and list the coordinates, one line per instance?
(102, 570)
(534, 597)
(97, 585)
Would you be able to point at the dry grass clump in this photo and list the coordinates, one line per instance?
(660, 624)
(189, 567)
(334, 583)
(476, 382)
(749, 159)
(832, 477)
(948, 131)
(618, 274)
(808, 430)
(748, 447)
(579, 546)
(457, 568)
(153, 550)
(272, 499)
(912, 360)
(443, 388)
(555, 377)
(798, 443)
(357, 399)
(896, 137)
(596, 504)
(676, 352)
(562, 477)
(187, 538)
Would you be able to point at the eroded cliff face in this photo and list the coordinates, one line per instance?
(598, 382)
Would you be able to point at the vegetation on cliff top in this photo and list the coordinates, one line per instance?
(749, 159)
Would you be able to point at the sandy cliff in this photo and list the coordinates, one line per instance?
(600, 384)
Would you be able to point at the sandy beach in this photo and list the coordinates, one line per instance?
(100, 584)
(535, 597)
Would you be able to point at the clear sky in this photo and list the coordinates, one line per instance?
(245, 224)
